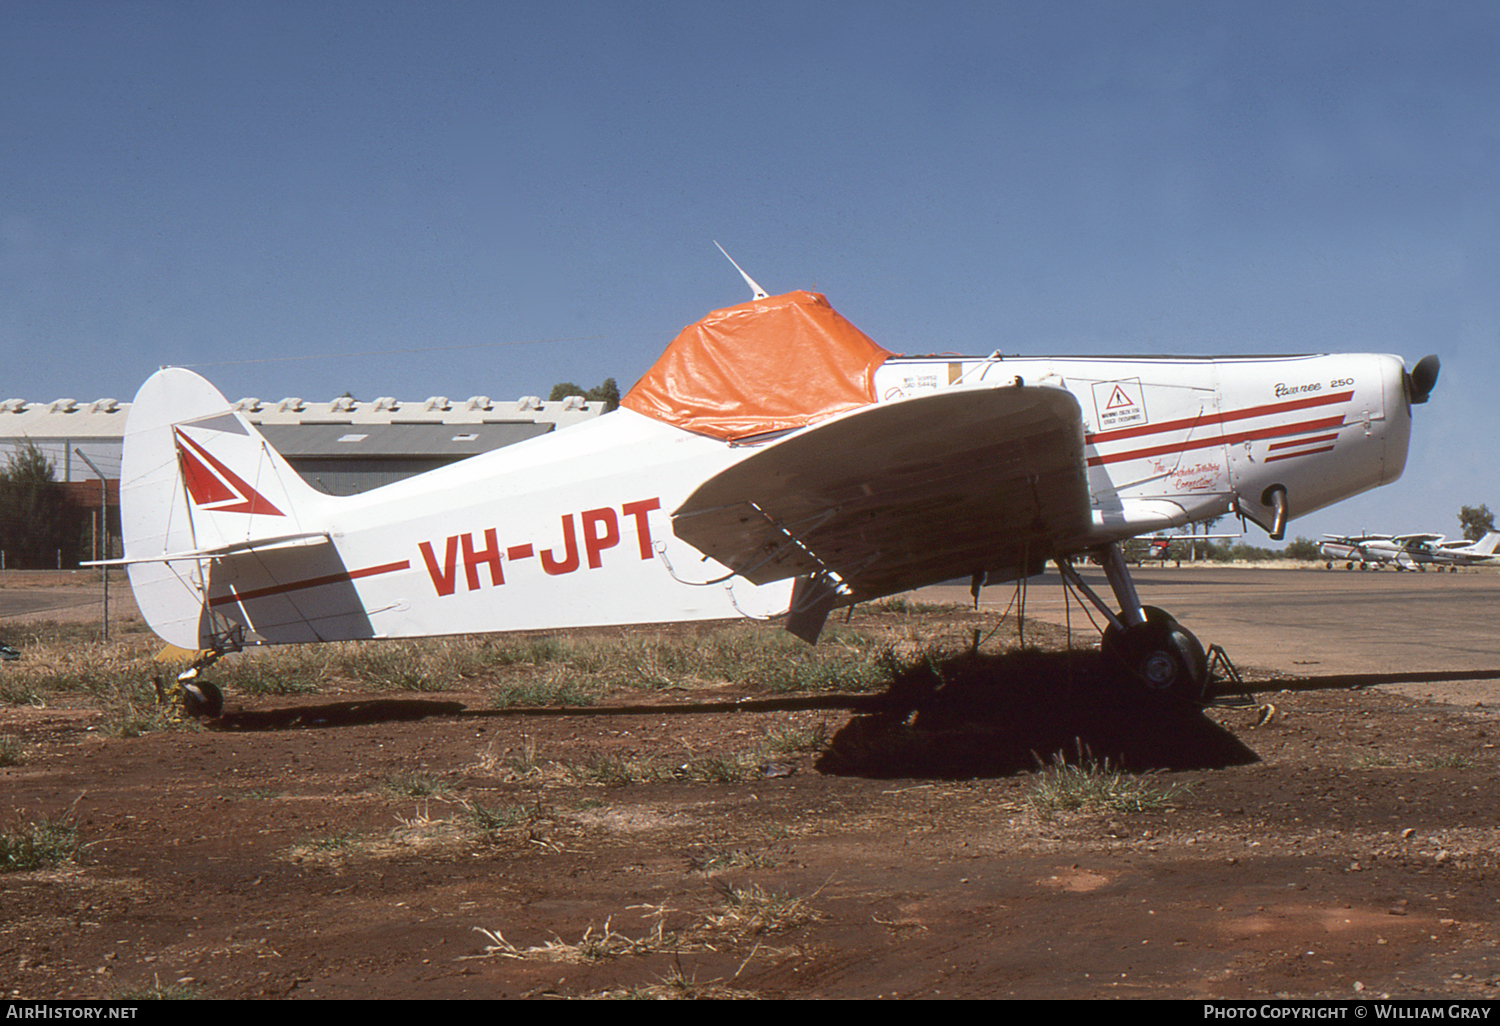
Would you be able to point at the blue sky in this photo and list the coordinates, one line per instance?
(529, 192)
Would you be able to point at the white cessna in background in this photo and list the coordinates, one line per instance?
(1419, 551)
(1368, 550)
(1467, 553)
(1410, 551)
(774, 461)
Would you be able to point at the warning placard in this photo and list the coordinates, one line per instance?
(1119, 404)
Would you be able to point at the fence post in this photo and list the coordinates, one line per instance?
(104, 529)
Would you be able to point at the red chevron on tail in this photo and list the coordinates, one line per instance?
(214, 486)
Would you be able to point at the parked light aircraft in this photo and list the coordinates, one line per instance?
(1419, 551)
(1466, 553)
(1410, 551)
(1415, 551)
(1159, 547)
(773, 461)
(1368, 550)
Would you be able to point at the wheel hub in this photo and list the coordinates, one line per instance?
(1159, 670)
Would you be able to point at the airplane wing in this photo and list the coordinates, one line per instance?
(900, 495)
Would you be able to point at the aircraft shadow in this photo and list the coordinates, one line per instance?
(981, 715)
(965, 716)
(1361, 681)
(336, 714)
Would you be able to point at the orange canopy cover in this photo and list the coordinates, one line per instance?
(766, 365)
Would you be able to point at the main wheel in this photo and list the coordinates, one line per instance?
(1161, 654)
(201, 699)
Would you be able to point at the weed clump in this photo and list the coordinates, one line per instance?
(1096, 786)
(490, 822)
(753, 911)
(41, 844)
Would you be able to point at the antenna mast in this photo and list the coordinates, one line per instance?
(758, 292)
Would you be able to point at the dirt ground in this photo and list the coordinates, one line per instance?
(429, 846)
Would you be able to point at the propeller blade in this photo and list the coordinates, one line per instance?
(1422, 378)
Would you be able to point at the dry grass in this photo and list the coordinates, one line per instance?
(592, 946)
(1088, 785)
(743, 914)
(714, 859)
(678, 987)
(39, 844)
(580, 669)
(438, 823)
(753, 911)
(12, 752)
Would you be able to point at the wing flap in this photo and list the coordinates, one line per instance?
(903, 494)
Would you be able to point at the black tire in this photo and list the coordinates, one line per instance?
(1160, 655)
(202, 700)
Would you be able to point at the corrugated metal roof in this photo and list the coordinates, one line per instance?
(385, 431)
(62, 418)
(367, 441)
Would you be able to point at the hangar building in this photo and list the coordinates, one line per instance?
(341, 447)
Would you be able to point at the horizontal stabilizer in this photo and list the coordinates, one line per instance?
(255, 545)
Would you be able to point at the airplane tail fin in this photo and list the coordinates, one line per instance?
(1487, 545)
(197, 482)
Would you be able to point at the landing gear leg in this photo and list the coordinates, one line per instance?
(1152, 647)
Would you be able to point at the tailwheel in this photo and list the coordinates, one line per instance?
(1161, 654)
(202, 699)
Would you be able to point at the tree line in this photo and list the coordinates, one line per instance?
(38, 527)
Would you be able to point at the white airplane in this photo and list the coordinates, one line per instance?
(1368, 550)
(1466, 553)
(1409, 551)
(1419, 551)
(774, 461)
(1414, 551)
(1159, 547)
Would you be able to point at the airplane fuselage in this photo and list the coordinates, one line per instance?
(1170, 441)
(575, 528)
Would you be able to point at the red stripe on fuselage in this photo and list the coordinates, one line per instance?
(1220, 418)
(312, 582)
(1293, 455)
(1301, 441)
(1205, 443)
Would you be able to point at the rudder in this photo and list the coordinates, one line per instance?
(195, 477)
